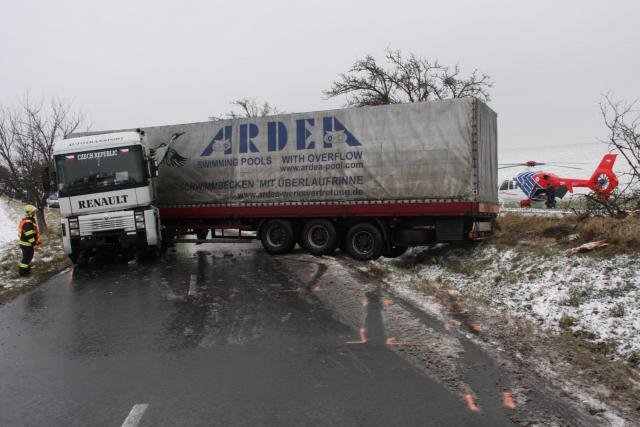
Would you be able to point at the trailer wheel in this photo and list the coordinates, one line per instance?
(319, 237)
(277, 236)
(394, 251)
(364, 242)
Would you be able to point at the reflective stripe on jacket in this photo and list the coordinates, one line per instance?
(28, 232)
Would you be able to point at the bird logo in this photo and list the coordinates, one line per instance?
(165, 154)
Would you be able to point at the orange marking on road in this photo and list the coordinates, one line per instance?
(316, 288)
(363, 337)
(508, 400)
(365, 302)
(447, 326)
(475, 327)
(387, 301)
(471, 403)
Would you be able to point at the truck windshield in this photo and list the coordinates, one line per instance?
(100, 170)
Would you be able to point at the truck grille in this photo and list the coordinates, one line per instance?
(95, 224)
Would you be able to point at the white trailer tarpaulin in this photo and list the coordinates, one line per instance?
(420, 152)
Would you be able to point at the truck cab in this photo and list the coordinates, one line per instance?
(107, 194)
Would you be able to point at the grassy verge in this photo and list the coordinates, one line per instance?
(48, 260)
(545, 233)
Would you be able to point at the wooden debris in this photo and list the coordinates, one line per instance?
(599, 244)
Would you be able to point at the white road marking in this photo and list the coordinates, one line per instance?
(135, 415)
(193, 286)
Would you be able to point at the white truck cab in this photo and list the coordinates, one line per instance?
(107, 194)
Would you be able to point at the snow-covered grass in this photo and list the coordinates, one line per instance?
(525, 271)
(573, 320)
(49, 258)
(597, 299)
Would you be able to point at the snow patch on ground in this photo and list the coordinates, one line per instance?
(8, 222)
(598, 298)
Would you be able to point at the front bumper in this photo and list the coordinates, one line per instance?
(120, 239)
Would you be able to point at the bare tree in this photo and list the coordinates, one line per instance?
(406, 79)
(249, 107)
(27, 135)
(622, 120)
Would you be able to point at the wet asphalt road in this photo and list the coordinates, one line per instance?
(204, 338)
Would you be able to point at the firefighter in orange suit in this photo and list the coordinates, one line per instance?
(29, 239)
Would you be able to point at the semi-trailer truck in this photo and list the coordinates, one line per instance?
(371, 180)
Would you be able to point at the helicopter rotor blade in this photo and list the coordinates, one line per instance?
(567, 163)
(535, 164)
(568, 167)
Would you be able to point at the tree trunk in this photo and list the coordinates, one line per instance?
(40, 218)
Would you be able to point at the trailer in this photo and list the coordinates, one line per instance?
(372, 181)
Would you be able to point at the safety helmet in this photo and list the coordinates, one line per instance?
(30, 210)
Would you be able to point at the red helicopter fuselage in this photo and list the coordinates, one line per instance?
(603, 181)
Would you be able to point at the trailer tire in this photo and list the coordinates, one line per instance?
(394, 251)
(364, 242)
(277, 236)
(319, 237)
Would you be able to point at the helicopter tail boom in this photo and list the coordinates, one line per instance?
(604, 181)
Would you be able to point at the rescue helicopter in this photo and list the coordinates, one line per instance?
(534, 184)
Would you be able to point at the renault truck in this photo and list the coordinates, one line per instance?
(372, 181)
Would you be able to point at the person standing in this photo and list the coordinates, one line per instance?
(29, 239)
(551, 197)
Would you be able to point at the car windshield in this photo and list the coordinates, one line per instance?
(100, 170)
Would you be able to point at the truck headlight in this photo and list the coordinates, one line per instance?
(139, 220)
(73, 224)
(74, 232)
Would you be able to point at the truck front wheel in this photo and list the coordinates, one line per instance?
(74, 256)
(78, 258)
(277, 236)
(319, 237)
(364, 242)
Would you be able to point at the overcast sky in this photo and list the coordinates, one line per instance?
(141, 63)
